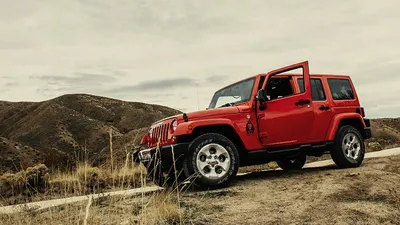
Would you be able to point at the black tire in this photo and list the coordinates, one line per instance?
(339, 154)
(165, 179)
(190, 165)
(296, 163)
(154, 173)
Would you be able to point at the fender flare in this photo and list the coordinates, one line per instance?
(188, 127)
(334, 125)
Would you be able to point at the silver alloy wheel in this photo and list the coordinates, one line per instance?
(351, 146)
(213, 161)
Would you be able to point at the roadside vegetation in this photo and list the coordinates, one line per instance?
(40, 183)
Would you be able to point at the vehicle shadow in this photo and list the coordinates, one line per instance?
(279, 174)
(268, 175)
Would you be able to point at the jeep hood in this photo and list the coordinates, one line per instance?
(212, 112)
(204, 113)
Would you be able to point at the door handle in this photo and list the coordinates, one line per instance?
(302, 102)
(324, 107)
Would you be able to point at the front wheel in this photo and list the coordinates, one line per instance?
(349, 148)
(212, 160)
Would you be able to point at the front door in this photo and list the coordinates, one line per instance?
(288, 116)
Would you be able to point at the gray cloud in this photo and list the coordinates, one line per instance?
(76, 79)
(5, 78)
(7, 83)
(216, 79)
(11, 84)
(159, 85)
(52, 85)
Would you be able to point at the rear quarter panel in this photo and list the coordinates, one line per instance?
(334, 125)
(342, 109)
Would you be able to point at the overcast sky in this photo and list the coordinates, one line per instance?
(160, 51)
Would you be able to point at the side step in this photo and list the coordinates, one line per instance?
(263, 156)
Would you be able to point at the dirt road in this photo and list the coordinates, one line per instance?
(63, 201)
(369, 194)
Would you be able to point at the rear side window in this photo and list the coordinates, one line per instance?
(340, 89)
(317, 91)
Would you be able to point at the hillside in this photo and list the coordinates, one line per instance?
(59, 131)
(385, 132)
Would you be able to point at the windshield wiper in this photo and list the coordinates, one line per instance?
(230, 104)
(227, 104)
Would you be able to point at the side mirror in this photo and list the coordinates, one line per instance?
(261, 96)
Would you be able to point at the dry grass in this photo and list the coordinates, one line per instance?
(26, 182)
(37, 183)
(157, 208)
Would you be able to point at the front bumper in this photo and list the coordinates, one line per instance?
(164, 155)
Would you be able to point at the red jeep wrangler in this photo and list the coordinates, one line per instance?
(277, 116)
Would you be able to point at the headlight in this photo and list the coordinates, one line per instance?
(174, 125)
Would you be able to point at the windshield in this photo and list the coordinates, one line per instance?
(233, 94)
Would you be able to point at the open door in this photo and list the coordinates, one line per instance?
(285, 114)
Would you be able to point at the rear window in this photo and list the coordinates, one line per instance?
(340, 89)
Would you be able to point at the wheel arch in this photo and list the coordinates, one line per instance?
(224, 129)
(340, 120)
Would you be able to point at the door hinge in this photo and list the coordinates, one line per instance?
(260, 115)
(263, 134)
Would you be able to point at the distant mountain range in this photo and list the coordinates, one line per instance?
(62, 130)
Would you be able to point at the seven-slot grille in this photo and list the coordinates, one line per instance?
(161, 132)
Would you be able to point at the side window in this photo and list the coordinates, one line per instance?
(278, 88)
(301, 84)
(317, 90)
(340, 89)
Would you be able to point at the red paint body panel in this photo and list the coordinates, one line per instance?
(336, 120)
(282, 122)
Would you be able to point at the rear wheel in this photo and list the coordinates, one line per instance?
(212, 161)
(292, 163)
(349, 148)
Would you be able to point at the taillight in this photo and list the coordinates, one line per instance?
(361, 111)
